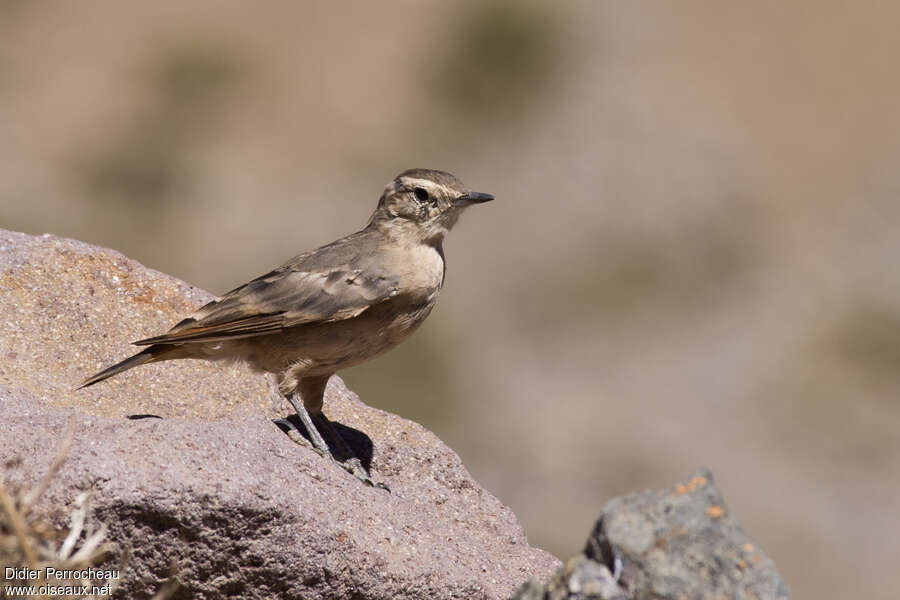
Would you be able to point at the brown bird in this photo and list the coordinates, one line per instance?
(331, 308)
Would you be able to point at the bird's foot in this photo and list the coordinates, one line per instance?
(349, 462)
(288, 427)
(354, 467)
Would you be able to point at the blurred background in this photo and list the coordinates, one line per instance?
(692, 259)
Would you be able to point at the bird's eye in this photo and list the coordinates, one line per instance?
(421, 194)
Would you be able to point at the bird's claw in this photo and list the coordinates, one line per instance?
(355, 468)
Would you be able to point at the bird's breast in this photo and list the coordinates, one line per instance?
(422, 268)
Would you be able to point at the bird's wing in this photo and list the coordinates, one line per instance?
(302, 291)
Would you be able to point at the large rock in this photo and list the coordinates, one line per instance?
(677, 543)
(214, 487)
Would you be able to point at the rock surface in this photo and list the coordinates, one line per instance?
(676, 543)
(213, 486)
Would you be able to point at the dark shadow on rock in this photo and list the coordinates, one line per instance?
(139, 417)
(359, 442)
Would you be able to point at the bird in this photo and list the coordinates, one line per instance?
(331, 308)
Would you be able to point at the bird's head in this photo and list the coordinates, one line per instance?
(423, 205)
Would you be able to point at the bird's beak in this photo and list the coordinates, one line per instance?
(472, 198)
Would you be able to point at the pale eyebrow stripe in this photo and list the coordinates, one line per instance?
(413, 182)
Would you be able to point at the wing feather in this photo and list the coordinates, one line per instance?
(328, 285)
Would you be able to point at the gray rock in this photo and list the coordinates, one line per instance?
(214, 487)
(677, 543)
(581, 577)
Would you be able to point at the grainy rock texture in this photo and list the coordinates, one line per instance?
(214, 487)
(676, 543)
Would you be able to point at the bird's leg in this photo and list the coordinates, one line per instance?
(319, 423)
(287, 425)
(312, 390)
(315, 437)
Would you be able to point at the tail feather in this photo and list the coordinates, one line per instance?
(151, 354)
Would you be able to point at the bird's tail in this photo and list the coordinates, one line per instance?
(148, 355)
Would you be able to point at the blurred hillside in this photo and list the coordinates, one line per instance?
(691, 261)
